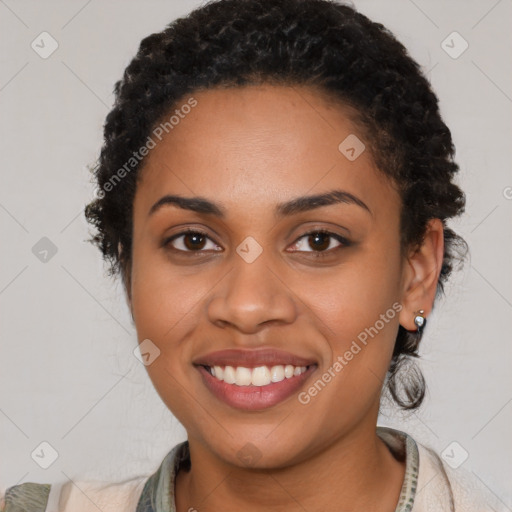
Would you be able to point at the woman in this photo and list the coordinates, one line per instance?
(274, 190)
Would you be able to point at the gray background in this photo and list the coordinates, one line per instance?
(68, 375)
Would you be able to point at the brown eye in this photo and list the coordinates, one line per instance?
(320, 241)
(190, 241)
(194, 241)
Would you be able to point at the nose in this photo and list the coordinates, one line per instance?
(251, 296)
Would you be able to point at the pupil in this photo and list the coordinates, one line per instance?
(320, 236)
(198, 241)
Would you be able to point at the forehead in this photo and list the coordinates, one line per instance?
(260, 145)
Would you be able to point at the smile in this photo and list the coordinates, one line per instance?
(259, 376)
(255, 379)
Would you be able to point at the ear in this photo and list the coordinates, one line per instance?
(421, 274)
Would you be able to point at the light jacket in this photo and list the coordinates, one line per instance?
(430, 485)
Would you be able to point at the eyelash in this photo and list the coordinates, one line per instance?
(342, 240)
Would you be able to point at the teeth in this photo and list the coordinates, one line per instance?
(259, 376)
(288, 371)
(243, 376)
(277, 373)
(229, 375)
(218, 372)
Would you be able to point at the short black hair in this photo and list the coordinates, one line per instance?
(319, 43)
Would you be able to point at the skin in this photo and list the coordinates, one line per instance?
(249, 149)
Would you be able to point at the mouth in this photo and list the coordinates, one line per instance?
(254, 380)
(259, 376)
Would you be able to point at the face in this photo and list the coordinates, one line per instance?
(265, 281)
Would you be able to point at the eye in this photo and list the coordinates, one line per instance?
(320, 240)
(190, 240)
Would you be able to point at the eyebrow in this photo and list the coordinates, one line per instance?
(292, 207)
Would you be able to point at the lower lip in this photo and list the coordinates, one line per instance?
(254, 398)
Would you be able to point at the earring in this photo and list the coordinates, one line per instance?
(420, 320)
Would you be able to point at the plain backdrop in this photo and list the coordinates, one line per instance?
(68, 376)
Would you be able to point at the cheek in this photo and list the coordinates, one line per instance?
(162, 297)
(357, 309)
(162, 310)
(165, 309)
(358, 315)
(351, 298)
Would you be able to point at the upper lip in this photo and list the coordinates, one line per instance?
(251, 358)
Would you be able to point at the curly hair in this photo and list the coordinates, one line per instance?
(318, 43)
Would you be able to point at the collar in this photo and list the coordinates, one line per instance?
(158, 492)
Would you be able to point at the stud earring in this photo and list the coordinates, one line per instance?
(420, 320)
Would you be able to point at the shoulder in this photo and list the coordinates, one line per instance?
(28, 496)
(441, 487)
(107, 497)
(74, 496)
(139, 493)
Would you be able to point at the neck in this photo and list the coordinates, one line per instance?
(357, 471)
